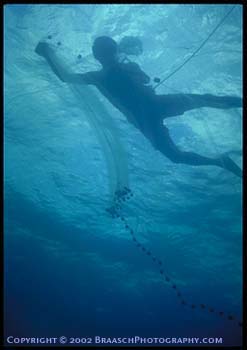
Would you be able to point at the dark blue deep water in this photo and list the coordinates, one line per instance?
(72, 270)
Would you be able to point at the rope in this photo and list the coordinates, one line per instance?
(116, 212)
(197, 50)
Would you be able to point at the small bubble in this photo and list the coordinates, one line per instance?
(59, 43)
(49, 36)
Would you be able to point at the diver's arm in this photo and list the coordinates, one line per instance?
(141, 76)
(44, 50)
(144, 77)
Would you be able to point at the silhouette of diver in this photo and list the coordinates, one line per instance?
(125, 85)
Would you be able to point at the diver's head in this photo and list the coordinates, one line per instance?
(105, 50)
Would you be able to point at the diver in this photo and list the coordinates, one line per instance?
(127, 87)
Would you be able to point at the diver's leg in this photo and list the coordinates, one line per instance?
(162, 141)
(176, 104)
(208, 100)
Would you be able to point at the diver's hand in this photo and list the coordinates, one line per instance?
(43, 49)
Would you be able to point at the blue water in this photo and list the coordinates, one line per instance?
(72, 270)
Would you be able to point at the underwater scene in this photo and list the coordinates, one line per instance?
(123, 175)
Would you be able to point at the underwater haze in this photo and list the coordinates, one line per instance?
(70, 268)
